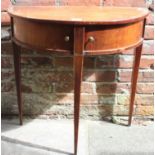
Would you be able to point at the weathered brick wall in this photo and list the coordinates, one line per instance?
(48, 80)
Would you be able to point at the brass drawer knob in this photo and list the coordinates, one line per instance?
(91, 39)
(66, 38)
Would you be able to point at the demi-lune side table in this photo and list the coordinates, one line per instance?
(78, 31)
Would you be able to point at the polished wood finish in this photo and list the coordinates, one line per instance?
(78, 31)
(17, 68)
(122, 36)
(44, 36)
(36, 33)
(137, 55)
(134, 78)
(113, 51)
(79, 15)
(78, 69)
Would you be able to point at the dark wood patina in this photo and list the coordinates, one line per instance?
(77, 31)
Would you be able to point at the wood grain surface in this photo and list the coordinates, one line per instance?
(79, 14)
(78, 31)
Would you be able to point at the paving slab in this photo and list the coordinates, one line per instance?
(111, 139)
(55, 137)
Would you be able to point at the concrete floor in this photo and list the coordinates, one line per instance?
(55, 137)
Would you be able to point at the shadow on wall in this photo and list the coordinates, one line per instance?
(47, 85)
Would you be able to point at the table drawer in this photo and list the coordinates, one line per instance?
(108, 37)
(43, 35)
(60, 37)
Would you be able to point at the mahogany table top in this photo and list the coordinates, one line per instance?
(80, 14)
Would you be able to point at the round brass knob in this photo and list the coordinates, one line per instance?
(91, 39)
(67, 38)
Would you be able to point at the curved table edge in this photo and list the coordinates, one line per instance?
(86, 53)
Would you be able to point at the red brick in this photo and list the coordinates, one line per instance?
(120, 110)
(61, 76)
(99, 76)
(7, 87)
(89, 99)
(142, 88)
(129, 3)
(36, 2)
(127, 62)
(26, 89)
(124, 62)
(110, 88)
(101, 111)
(44, 2)
(7, 75)
(98, 99)
(106, 88)
(146, 76)
(128, 52)
(145, 88)
(37, 87)
(105, 61)
(89, 62)
(6, 62)
(148, 47)
(80, 2)
(123, 88)
(67, 62)
(117, 3)
(151, 6)
(5, 4)
(5, 19)
(149, 32)
(139, 99)
(5, 33)
(150, 18)
(147, 62)
(63, 99)
(87, 88)
(37, 61)
(25, 51)
(63, 62)
(6, 47)
(144, 110)
(125, 76)
(139, 3)
(48, 76)
(123, 99)
(67, 87)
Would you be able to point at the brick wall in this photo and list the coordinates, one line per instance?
(106, 79)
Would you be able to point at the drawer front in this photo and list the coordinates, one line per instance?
(109, 37)
(60, 37)
(44, 36)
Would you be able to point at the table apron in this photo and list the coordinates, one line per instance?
(59, 38)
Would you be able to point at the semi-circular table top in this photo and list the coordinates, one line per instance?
(80, 15)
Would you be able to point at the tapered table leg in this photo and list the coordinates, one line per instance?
(138, 52)
(78, 67)
(17, 67)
